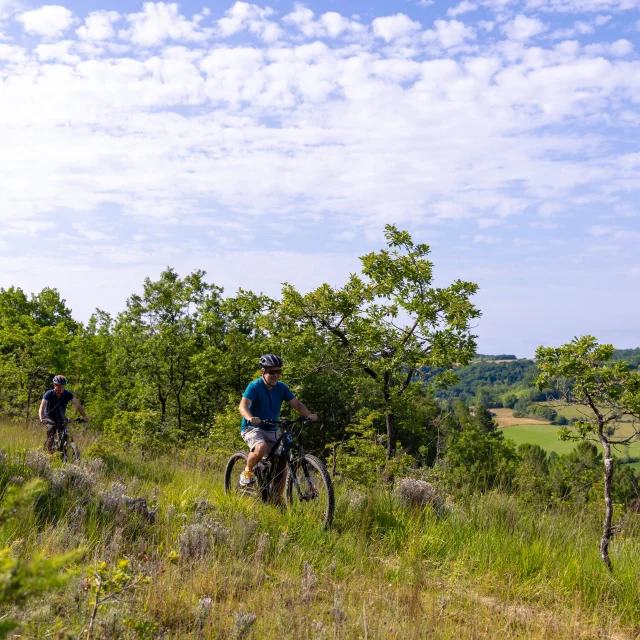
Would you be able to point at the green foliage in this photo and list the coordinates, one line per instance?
(584, 374)
(111, 585)
(141, 428)
(478, 456)
(362, 456)
(390, 323)
(24, 578)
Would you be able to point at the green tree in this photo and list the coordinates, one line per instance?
(582, 373)
(391, 323)
(155, 341)
(35, 338)
(477, 455)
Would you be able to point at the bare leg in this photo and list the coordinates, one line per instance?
(259, 451)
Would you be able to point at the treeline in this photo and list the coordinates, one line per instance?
(169, 369)
(374, 359)
(510, 384)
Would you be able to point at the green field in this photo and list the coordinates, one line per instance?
(546, 436)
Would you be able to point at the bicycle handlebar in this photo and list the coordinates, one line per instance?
(284, 422)
(66, 420)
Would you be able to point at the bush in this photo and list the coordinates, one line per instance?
(142, 428)
(480, 459)
(417, 493)
(546, 413)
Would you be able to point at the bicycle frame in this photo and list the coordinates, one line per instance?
(288, 446)
(61, 435)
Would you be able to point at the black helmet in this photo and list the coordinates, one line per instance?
(59, 380)
(270, 360)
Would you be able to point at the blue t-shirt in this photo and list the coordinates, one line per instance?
(265, 402)
(57, 407)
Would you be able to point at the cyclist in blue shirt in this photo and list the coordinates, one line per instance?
(54, 406)
(262, 400)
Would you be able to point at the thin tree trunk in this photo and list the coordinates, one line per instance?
(163, 405)
(608, 512)
(390, 419)
(32, 385)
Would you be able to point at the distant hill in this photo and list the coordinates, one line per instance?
(504, 373)
(631, 356)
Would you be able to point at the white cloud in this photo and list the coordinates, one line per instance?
(59, 51)
(487, 239)
(619, 48)
(393, 27)
(98, 26)
(159, 22)
(449, 33)
(50, 20)
(330, 24)
(502, 7)
(464, 7)
(601, 230)
(242, 16)
(523, 28)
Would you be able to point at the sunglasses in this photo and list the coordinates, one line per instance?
(275, 372)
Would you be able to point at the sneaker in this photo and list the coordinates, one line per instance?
(247, 478)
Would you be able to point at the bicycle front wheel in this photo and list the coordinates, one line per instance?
(75, 452)
(310, 491)
(235, 466)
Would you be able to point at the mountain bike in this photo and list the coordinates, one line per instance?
(308, 486)
(61, 440)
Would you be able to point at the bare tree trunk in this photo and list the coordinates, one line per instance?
(334, 459)
(163, 405)
(390, 419)
(32, 385)
(608, 512)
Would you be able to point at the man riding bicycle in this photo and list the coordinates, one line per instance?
(262, 400)
(54, 407)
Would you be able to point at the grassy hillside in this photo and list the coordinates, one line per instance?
(220, 566)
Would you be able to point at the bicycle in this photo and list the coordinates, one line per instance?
(61, 440)
(308, 484)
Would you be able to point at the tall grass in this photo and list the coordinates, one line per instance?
(223, 566)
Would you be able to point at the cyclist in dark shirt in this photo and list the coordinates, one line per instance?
(54, 406)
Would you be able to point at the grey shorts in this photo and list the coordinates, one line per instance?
(254, 435)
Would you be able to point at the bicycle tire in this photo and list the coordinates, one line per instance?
(316, 501)
(75, 451)
(235, 466)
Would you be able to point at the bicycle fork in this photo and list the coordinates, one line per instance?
(312, 490)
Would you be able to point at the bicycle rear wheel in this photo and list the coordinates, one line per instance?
(235, 466)
(310, 491)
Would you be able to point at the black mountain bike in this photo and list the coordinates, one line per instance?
(62, 441)
(307, 486)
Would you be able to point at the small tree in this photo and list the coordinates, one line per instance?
(391, 323)
(584, 375)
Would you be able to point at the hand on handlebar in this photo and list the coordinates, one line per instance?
(312, 416)
(255, 421)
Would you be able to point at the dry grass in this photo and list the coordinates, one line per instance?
(227, 568)
(505, 418)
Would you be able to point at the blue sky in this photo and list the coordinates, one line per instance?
(272, 142)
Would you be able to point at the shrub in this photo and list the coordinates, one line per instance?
(417, 493)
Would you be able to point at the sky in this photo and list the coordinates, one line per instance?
(271, 143)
